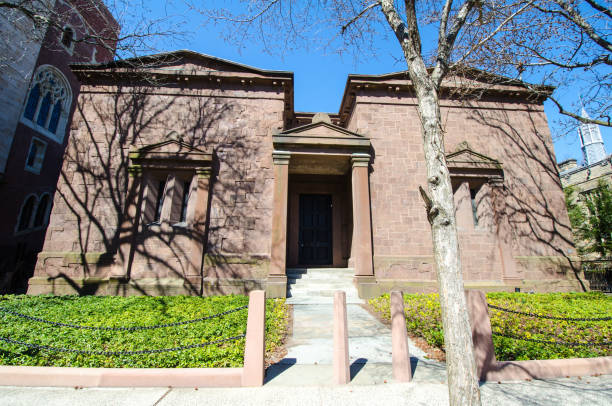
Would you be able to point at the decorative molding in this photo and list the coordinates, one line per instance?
(204, 172)
(281, 157)
(360, 159)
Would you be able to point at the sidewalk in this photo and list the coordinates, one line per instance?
(571, 391)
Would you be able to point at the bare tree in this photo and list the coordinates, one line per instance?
(546, 39)
(358, 23)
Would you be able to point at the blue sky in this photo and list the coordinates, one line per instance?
(320, 76)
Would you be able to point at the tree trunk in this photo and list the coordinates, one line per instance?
(460, 365)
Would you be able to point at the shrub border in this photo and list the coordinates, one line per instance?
(489, 369)
(252, 374)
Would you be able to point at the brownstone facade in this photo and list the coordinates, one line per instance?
(194, 175)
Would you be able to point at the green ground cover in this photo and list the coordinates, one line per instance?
(113, 311)
(423, 319)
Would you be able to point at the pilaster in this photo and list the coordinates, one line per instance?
(362, 230)
(277, 280)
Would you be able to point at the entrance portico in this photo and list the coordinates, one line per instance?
(321, 212)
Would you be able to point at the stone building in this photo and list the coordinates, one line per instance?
(38, 93)
(597, 164)
(194, 175)
(585, 178)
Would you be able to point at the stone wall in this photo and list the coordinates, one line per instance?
(525, 217)
(235, 124)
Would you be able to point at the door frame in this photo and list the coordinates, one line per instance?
(339, 188)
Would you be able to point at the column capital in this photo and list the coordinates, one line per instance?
(134, 171)
(203, 172)
(281, 157)
(360, 159)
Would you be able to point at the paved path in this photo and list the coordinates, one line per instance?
(311, 343)
(592, 391)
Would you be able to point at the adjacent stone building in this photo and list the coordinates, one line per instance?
(188, 174)
(597, 164)
(38, 93)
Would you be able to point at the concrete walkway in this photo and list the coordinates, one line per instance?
(591, 391)
(310, 292)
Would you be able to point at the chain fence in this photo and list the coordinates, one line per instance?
(131, 328)
(114, 353)
(563, 343)
(548, 317)
(123, 328)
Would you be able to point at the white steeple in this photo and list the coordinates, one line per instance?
(591, 141)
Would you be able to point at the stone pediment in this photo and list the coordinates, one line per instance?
(466, 162)
(170, 153)
(472, 159)
(321, 134)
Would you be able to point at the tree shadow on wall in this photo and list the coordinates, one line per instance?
(531, 200)
(88, 224)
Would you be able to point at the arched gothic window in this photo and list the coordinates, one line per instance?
(25, 217)
(48, 103)
(42, 210)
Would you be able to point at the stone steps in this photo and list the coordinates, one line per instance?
(317, 285)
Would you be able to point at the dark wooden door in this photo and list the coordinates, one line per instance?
(315, 234)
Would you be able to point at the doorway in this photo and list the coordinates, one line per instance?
(315, 229)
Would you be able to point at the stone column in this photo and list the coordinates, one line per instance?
(277, 279)
(166, 219)
(129, 226)
(463, 207)
(197, 213)
(362, 230)
(500, 224)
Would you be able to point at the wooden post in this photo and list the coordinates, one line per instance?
(342, 372)
(255, 347)
(402, 371)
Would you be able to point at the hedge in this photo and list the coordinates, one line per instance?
(113, 311)
(423, 319)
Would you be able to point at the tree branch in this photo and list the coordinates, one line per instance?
(574, 16)
(399, 29)
(494, 32)
(447, 41)
(251, 18)
(606, 123)
(358, 16)
(599, 7)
